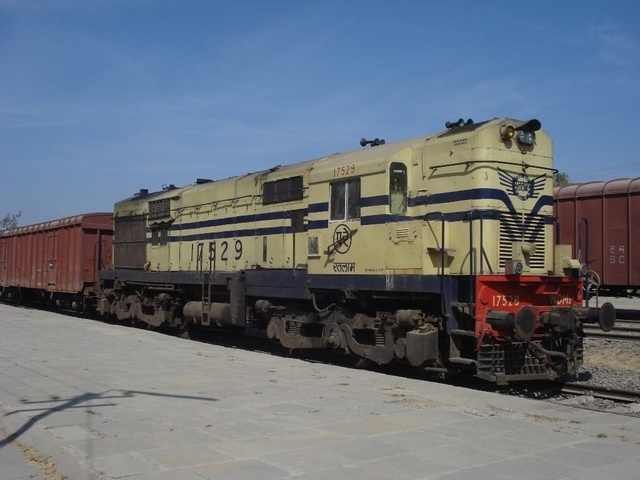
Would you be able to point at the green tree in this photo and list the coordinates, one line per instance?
(10, 220)
(560, 179)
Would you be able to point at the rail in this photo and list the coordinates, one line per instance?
(597, 391)
(624, 330)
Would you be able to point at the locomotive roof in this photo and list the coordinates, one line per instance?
(362, 157)
(368, 160)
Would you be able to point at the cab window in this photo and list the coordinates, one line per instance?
(345, 199)
(398, 188)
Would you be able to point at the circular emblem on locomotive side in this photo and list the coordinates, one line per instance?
(342, 238)
(522, 186)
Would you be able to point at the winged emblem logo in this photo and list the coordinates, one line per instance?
(521, 185)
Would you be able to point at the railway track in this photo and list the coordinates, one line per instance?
(626, 330)
(607, 393)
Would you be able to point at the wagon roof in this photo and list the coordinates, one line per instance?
(86, 220)
(619, 186)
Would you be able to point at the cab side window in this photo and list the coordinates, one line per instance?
(345, 199)
(398, 189)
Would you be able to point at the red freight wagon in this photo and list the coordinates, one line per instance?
(56, 261)
(602, 220)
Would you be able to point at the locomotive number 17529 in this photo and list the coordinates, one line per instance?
(222, 251)
(344, 170)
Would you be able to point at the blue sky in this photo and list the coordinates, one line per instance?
(101, 98)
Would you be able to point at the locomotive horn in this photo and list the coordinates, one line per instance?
(374, 143)
(459, 123)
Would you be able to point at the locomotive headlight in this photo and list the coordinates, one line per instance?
(526, 138)
(507, 132)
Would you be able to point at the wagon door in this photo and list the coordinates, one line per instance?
(615, 242)
(51, 261)
(4, 244)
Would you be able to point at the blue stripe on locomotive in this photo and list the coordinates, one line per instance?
(379, 200)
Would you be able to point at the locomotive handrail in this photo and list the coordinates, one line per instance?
(483, 253)
(500, 162)
(472, 258)
(556, 220)
(443, 302)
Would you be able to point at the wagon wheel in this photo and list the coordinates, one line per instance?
(592, 282)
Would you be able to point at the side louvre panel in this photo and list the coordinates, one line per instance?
(129, 243)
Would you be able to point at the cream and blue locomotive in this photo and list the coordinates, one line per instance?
(437, 251)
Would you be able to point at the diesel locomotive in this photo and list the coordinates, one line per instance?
(437, 251)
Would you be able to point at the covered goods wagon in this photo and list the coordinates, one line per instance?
(55, 261)
(601, 220)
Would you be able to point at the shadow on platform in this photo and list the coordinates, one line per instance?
(79, 402)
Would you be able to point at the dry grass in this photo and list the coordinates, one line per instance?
(45, 465)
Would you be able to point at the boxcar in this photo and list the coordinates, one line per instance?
(55, 262)
(602, 222)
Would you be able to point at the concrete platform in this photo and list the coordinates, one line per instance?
(102, 401)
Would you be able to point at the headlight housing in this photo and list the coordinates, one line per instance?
(526, 138)
(524, 134)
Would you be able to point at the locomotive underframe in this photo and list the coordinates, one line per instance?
(380, 326)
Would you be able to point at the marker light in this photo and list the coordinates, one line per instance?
(507, 132)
